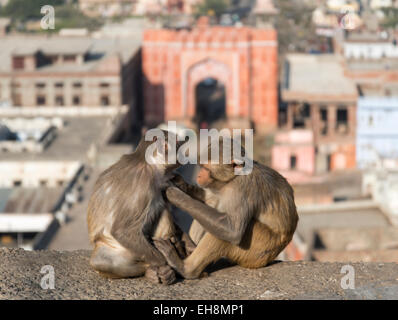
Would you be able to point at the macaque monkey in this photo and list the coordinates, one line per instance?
(127, 210)
(248, 219)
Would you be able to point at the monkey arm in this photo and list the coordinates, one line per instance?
(217, 223)
(136, 237)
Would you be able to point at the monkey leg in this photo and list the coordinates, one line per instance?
(120, 263)
(259, 246)
(209, 250)
(196, 231)
(182, 242)
(115, 262)
(190, 246)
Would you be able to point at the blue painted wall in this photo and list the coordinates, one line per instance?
(377, 129)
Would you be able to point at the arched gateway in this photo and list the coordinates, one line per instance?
(242, 59)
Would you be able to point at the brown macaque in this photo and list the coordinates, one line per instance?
(248, 219)
(127, 211)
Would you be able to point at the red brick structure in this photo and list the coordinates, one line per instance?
(243, 59)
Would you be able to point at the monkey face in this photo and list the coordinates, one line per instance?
(215, 176)
(204, 178)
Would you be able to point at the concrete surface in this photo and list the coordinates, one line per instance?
(20, 279)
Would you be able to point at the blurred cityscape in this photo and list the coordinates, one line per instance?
(317, 80)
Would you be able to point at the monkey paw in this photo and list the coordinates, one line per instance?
(161, 274)
(165, 246)
(178, 181)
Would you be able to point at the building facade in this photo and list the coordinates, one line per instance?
(241, 60)
(63, 71)
(319, 97)
(377, 135)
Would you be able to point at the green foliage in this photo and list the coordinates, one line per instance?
(24, 10)
(67, 15)
(391, 18)
(70, 17)
(211, 7)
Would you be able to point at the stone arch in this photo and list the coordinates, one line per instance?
(206, 68)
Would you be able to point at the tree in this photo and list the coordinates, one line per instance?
(24, 10)
(211, 7)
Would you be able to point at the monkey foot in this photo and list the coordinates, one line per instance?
(166, 247)
(162, 274)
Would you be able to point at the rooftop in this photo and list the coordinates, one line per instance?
(316, 77)
(349, 239)
(54, 45)
(29, 200)
(74, 279)
(73, 141)
(351, 214)
(368, 255)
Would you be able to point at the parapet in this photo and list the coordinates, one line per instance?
(74, 279)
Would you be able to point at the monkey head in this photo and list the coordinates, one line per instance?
(161, 149)
(217, 172)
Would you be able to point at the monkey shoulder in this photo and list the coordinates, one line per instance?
(212, 199)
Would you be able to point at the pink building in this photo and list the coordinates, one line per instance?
(293, 154)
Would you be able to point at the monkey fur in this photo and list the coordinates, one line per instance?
(248, 219)
(125, 212)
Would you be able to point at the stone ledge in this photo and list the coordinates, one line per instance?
(74, 279)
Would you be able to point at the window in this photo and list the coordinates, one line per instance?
(324, 114)
(342, 120)
(40, 85)
(76, 100)
(40, 100)
(342, 115)
(293, 162)
(17, 183)
(53, 59)
(69, 58)
(77, 85)
(324, 120)
(59, 100)
(17, 99)
(370, 122)
(104, 85)
(329, 162)
(18, 63)
(104, 101)
(59, 85)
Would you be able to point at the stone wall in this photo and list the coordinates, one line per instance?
(74, 279)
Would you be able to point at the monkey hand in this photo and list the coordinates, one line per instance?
(161, 274)
(167, 249)
(178, 181)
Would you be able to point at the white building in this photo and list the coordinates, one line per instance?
(378, 4)
(372, 50)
